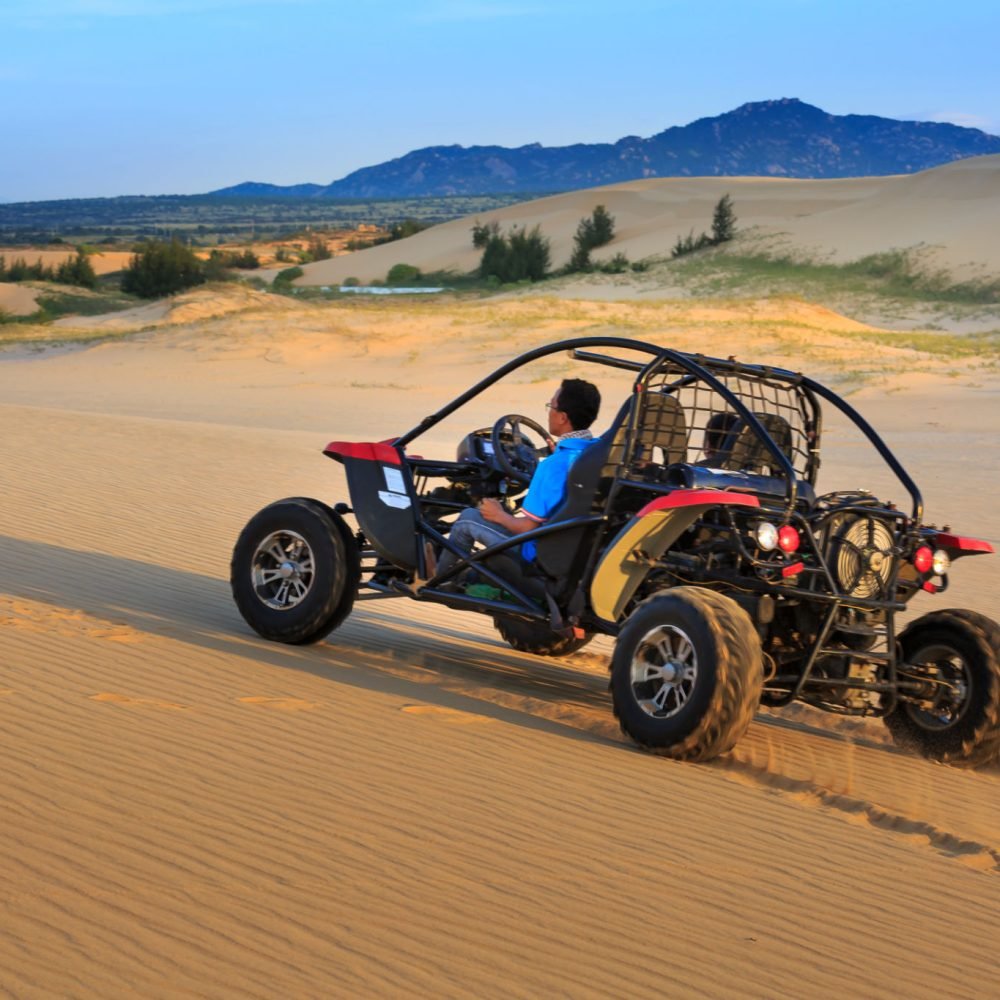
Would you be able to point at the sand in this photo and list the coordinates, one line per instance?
(948, 216)
(412, 808)
(17, 299)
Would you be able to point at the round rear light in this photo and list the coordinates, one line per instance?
(941, 563)
(923, 559)
(767, 536)
(788, 539)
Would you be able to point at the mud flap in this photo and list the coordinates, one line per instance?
(637, 547)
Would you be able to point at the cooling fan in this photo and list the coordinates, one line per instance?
(862, 553)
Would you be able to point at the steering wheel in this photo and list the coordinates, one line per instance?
(517, 455)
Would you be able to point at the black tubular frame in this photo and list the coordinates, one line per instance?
(700, 367)
(816, 584)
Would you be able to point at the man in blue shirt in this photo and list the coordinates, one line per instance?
(572, 410)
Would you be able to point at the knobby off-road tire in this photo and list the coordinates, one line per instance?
(536, 637)
(964, 729)
(701, 659)
(295, 571)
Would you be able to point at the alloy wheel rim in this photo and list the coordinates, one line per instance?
(282, 570)
(664, 671)
(950, 703)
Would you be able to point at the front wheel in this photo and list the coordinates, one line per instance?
(295, 571)
(687, 674)
(955, 654)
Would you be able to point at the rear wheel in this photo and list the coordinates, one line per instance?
(956, 653)
(295, 571)
(687, 674)
(536, 637)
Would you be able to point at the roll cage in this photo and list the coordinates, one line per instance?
(768, 449)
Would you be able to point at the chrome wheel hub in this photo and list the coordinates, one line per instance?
(283, 570)
(951, 698)
(664, 671)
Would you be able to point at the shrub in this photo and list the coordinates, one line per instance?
(482, 231)
(723, 220)
(317, 249)
(520, 256)
(350, 282)
(723, 230)
(283, 279)
(408, 227)
(617, 265)
(402, 274)
(594, 231)
(160, 268)
(77, 271)
(20, 270)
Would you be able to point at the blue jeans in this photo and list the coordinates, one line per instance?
(471, 527)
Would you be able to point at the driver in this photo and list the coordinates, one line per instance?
(572, 410)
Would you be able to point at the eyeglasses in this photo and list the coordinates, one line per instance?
(549, 406)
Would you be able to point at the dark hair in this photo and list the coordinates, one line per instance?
(580, 401)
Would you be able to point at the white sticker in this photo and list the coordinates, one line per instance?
(398, 500)
(394, 480)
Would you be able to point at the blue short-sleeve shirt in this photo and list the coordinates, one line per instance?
(548, 484)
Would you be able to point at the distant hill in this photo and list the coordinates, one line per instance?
(251, 189)
(783, 138)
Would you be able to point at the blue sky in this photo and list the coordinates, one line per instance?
(107, 97)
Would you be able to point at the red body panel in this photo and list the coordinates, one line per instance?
(377, 452)
(691, 498)
(963, 546)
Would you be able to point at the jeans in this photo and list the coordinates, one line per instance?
(472, 527)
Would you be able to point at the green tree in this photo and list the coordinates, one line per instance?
(723, 221)
(160, 268)
(482, 231)
(77, 271)
(594, 231)
(603, 227)
(493, 263)
(521, 256)
(402, 274)
(408, 227)
(316, 248)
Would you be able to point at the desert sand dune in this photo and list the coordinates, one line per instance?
(18, 300)
(950, 213)
(412, 808)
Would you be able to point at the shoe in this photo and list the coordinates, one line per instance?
(430, 560)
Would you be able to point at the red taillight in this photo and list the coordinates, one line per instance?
(788, 539)
(923, 559)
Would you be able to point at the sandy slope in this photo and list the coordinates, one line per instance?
(18, 300)
(950, 212)
(412, 808)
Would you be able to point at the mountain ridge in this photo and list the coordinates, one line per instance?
(777, 138)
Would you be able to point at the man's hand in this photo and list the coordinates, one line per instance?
(492, 510)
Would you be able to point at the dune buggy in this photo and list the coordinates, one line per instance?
(691, 531)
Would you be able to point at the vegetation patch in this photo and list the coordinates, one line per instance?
(894, 273)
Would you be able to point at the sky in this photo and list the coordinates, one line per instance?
(111, 97)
